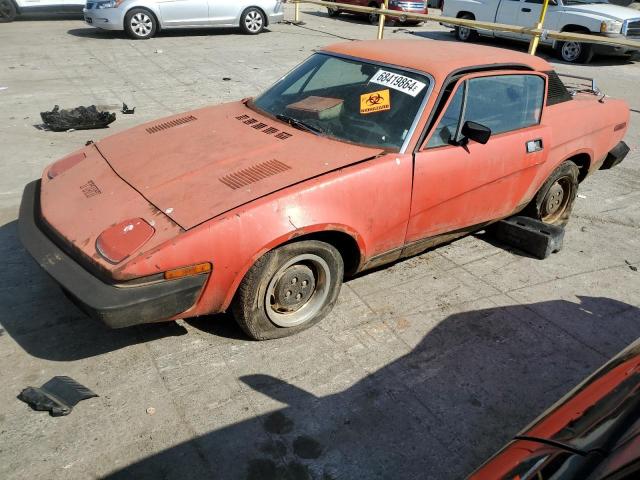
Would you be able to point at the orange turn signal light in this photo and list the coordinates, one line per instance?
(187, 271)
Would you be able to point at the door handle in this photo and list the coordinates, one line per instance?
(525, 9)
(534, 145)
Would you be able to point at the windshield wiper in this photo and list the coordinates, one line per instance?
(294, 122)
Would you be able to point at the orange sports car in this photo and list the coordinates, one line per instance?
(365, 153)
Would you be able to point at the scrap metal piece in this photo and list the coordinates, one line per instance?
(529, 235)
(126, 110)
(79, 118)
(58, 396)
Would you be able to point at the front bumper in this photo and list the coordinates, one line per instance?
(116, 305)
(105, 18)
(275, 17)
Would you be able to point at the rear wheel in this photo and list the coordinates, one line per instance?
(252, 21)
(8, 11)
(554, 201)
(333, 11)
(289, 289)
(140, 24)
(466, 34)
(374, 18)
(574, 52)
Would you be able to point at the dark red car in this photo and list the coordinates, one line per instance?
(591, 434)
(414, 6)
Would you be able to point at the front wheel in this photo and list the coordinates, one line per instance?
(554, 201)
(8, 11)
(289, 289)
(252, 21)
(333, 11)
(575, 52)
(140, 24)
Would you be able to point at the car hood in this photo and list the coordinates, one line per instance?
(200, 164)
(614, 12)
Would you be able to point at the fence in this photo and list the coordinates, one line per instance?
(536, 31)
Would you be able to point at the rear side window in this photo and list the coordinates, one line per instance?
(505, 102)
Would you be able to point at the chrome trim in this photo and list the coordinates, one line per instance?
(625, 25)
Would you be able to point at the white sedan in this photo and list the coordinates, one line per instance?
(142, 19)
(10, 9)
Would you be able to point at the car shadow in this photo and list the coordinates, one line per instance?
(473, 382)
(38, 17)
(91, 32)
(37, 315)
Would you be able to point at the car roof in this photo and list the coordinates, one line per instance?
(439, 58)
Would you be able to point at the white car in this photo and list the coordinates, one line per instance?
(10, 9)
(595, 17)
(142, 19)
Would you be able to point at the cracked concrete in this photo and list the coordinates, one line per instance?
(423, 369)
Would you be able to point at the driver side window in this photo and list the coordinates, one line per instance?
(502, 103)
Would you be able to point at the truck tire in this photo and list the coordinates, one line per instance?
(373, 18)
(554, 201)
(574, 52)
(466, 34)
(8, 11)
(288, 289)
(333, 11)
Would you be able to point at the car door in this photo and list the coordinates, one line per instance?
(458, 186)
(226, 12)
(529, 15)
(184, 13)
(508, 13)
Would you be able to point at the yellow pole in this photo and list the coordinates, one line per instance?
(381, 21)
(536, 38)
(296, 18)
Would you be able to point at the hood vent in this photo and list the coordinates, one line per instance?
(170, 124)
(253, 123)
(253, 174)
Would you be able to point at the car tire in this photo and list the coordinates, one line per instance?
(289, 289)
(252, 21)
(8, 11)
(373, 18)
(140, 24)
(574, 52)
(333, 11)
(465, 34)
(555, 199)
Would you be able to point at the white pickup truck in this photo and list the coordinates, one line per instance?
(596, 17)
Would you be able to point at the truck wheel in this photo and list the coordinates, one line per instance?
(140, 24)
(289, 289)
(252, 21)
(554, 201)
(466, 34)
(574, 52)
(8, 11)
(374, 18)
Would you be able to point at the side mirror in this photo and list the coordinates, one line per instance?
(475, 131)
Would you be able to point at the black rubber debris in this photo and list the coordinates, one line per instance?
(79, 118)
(532, 236)
(126, 110)
(58, 396)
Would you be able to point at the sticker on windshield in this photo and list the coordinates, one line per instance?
(398, 82)
(375, 102)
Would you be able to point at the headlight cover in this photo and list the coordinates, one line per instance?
(109, 4)
(119, 241)
(610, 26)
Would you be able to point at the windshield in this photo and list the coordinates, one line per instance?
(350, 100)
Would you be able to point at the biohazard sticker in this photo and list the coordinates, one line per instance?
(375, 102)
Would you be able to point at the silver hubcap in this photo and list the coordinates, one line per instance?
(571, 51)
(298, 290)
(463, 33)
(141, 24)
(253, 21)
